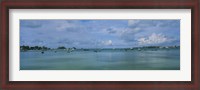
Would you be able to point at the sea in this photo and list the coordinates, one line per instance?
(105, 59)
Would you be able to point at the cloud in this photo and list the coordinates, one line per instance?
(96, 33)
(30, 24)
(133, 22)
(154, 39)
(107, 43)
(141, 23)
(153, 23)
(64, 25)
(111, 30)
(128, 34)
(143, 28)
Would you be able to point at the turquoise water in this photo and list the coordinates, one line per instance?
(161, 59)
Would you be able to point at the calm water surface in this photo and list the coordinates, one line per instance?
(163, 59)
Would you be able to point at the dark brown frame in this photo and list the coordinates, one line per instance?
(99, 4)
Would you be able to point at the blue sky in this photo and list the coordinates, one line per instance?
(99, 33)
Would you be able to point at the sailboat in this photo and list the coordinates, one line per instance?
(96, 50)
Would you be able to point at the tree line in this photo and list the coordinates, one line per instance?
(25, 48)
(34, 48)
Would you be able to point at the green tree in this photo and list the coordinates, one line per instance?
(62, 47)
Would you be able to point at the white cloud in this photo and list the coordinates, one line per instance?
(64, 25)
(153, 39)
(107, 43)
(133, 22)
(152, 23)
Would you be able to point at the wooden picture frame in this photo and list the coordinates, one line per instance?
(100, 4)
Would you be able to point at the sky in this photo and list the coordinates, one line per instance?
(99, 33)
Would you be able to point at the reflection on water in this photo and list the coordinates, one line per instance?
(166, 59)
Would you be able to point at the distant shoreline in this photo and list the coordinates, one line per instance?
(43, 48)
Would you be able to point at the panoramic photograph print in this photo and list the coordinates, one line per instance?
(97, 44)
